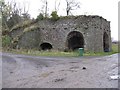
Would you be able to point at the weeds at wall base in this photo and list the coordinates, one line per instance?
(57, 53)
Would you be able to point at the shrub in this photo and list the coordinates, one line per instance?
(6, 41)
(40, 17)
(54, 15)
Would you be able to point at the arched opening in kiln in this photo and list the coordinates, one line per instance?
(75, 40)
(46, 46)
(106, 42)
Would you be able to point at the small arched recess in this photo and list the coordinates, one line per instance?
(46, 46)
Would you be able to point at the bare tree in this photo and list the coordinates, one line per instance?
(45, 7)
(57, 5)
(71, 5)
(11, 14)
(25, 15)
(5, 10)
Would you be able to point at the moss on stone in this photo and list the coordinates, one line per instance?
(23, 24)
(31, 28)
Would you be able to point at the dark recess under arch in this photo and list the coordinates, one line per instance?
(46, 46)
(75, 40)
(106, 42)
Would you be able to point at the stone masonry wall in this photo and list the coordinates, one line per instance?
(56, 33)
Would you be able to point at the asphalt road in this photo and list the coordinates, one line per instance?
(22, 71)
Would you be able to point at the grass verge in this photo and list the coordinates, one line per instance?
(66, 54)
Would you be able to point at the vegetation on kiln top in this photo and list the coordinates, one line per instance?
(31, 28)
(27, 24)
(23, 24)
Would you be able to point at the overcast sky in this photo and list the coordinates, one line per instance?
(108, 9)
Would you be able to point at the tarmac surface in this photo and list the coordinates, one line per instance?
(23, 71)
